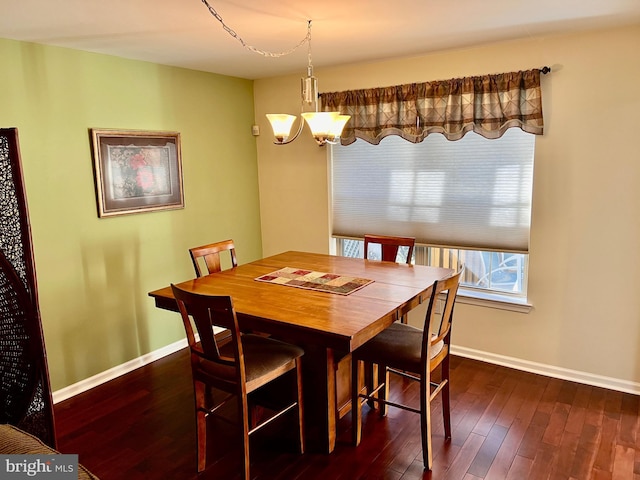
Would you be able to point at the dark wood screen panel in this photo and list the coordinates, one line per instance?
(25, 393)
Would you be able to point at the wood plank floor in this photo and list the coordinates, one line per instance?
(507, 424)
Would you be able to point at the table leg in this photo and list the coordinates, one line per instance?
(319, 386)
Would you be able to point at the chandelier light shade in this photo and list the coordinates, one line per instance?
(326, 126)
(281, 124)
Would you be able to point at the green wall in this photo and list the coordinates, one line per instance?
(94, 274)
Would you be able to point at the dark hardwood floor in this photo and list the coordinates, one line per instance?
(507, 424)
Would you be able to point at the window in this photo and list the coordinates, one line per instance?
(496, 272)
(467, 201)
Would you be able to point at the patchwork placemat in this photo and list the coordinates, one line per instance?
(310, 280)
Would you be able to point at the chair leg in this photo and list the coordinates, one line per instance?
(446, 398)
(356, 405)
(244, 420)
(383, 393)
(300, 404)
(425, 421)
(370, 381)
(201, 424)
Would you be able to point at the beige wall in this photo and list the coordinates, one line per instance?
(584, 259)
(94, 274)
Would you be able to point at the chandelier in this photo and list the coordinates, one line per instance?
(326, 127)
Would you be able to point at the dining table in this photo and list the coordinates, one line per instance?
(328, 323)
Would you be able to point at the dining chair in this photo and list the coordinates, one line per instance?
(389, 246)
(412, 353)
(237, 368)
(210, 254)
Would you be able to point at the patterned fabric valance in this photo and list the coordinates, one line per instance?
(487, 105)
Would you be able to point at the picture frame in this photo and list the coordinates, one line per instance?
(136, 171)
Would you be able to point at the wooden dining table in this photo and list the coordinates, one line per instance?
(329, 326)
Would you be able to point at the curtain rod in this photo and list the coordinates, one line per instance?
(545, 70)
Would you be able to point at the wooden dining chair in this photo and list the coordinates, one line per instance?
(237, 368)
(412, 353)
(210, 254)
(389, 246)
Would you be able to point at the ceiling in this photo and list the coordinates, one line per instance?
(184, 33)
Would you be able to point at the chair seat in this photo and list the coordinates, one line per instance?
(261, 356)
(399, 346)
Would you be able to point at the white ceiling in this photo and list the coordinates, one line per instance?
(183, 32)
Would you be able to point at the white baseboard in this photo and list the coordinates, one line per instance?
(511, 362)
(549, 370)
(100, 378)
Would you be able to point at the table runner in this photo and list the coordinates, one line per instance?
(319, 281)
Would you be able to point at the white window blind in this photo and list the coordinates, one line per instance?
(471, 193)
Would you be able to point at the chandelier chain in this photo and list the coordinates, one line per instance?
(231, 32)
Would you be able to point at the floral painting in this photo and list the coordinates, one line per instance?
(137, 171)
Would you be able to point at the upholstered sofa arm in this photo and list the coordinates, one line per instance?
(14, 441)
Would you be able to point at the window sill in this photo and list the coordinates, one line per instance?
(493, 300)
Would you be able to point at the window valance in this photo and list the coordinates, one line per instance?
(487, 105)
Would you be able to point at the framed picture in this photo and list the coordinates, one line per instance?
(136, 171)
